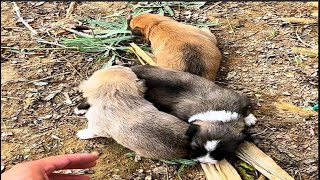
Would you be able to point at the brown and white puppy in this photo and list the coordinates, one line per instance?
(118, 110)
(219, 117)
(179, 46)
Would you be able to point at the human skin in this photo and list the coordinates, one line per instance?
(43, 169)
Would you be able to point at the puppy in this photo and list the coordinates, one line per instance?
(179, 46)
(219, 117)
(118, 110)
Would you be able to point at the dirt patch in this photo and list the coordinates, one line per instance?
(258, 60)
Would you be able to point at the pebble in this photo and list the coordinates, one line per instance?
(148, 178)
(286, 93)
(231, 74)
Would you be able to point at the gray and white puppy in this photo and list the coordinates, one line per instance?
(118, 110)
(219, 117)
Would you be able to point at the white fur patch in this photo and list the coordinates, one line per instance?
(80, 111)
(86, 134)
(211, 145)
(206, 159)
(213, 116)
(250, 120)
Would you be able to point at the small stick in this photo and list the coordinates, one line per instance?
(49, 77)
(234, 34)
(299, 38)
(52, 43)
(142, 54)
(140, 60)
(70, 9)
(16, 8)
(79, 33)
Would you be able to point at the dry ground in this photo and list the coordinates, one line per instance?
(37, 119)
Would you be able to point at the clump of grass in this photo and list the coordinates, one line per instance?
(109, 36)
(180, 161)
(162, 7)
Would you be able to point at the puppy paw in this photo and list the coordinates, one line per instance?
(86, 134)
(250, 120)
(80, 111)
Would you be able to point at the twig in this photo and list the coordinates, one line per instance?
(140, 60)
(246, 37)
(47, 42)
(216, 4)
(86, 35)
(142, 54)
(15, 98)
(79, 33)
(16, 8)
(234, 34)
(49, 77)
(70, 9)
(40, 49)
(299, 38)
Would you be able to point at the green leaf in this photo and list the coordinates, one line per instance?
(246, 166)
(161, 11)
(110, 62)
(130, 154)
(244, 174)
(181, 169)
(180, 161)
(169, 10)
(168, 161)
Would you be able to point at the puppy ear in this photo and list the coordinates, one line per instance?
(193, 129)
(137, 31)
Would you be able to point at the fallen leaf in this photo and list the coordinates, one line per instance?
(45, 117)
(29, 101)
(37, 3)
(55, 137)
(40, 83)
(290, 75)
(68, 100)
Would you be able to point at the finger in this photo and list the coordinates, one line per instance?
(81, 165)
(68, 161)
(56, 176)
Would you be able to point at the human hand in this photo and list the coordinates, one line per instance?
(43, 169)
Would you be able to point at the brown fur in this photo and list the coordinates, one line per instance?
(179, 46)
(118, 110)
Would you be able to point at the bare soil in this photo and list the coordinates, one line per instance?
(37, 118)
